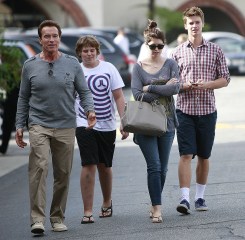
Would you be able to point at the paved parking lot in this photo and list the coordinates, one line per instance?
(224, 195)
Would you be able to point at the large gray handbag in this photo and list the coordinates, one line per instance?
(145, 118)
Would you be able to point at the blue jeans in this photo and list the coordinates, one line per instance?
(156, 151)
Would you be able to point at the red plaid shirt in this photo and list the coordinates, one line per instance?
(208, 63)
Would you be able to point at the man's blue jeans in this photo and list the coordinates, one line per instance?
(156, 151)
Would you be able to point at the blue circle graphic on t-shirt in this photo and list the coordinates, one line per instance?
(99, 85)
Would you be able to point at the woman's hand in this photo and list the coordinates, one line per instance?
(172, 81)
(145, 88)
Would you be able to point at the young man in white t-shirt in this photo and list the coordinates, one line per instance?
(97, 145)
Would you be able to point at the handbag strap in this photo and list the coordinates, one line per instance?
(140, 98)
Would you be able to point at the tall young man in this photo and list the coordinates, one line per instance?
(202, 68)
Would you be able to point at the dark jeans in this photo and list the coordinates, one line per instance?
(156, 151)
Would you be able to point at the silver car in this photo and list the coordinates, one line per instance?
(233, 46)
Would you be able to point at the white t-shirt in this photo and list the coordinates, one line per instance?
(102, 80)
(123, 43)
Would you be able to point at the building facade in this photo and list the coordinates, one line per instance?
(224, 15)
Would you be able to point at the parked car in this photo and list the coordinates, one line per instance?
(213, 37)
(235, 55)
(135, 39)
(32, 39)
(25, 48)
(233, 46)
(111, 52)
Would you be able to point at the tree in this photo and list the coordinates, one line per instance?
(151, 9)
(10, 67)
(171, 22)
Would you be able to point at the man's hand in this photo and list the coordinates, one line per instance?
(91, 120)
(200, 84)
(188, 85)
(19, 138)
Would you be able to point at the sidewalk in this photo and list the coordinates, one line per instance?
(13, 159)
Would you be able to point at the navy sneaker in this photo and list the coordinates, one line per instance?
(184, 207)
(200, 205)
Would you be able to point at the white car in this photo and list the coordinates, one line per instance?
(233, 46)
(235, 55)
(213, 37)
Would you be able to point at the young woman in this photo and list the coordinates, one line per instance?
(156, 77)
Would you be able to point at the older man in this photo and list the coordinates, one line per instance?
(46, 98)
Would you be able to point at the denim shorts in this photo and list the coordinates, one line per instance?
(95, 146)
(195, 134)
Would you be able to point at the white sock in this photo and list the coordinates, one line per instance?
(199, 191)
(185, 192)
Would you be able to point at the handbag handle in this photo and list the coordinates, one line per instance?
(153, 103)
(156, 101)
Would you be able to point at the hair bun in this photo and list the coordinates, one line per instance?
(151, 24)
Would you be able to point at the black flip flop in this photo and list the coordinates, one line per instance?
(90, 220)
(105, 210)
